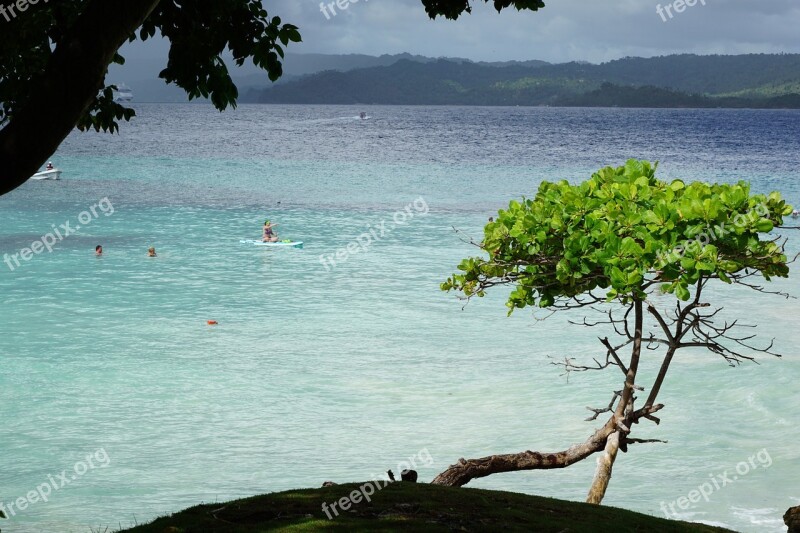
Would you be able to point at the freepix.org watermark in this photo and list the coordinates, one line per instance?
(365, 491)
(43, 492)
(713, 233)
(678, 6)
(10, 11)
(57, 234)
(716, 482)
(375, 234)
(329, 8)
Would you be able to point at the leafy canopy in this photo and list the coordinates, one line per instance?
(625, 231)
(199, 32)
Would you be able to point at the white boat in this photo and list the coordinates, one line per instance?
(50, 174)
(123, 93)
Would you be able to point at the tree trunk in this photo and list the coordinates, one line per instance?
(464, 471)
(608, 437)
(623, 416)
(67, 87)
(602, 475)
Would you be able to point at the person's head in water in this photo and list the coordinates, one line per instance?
(98, 250)
(151, 252)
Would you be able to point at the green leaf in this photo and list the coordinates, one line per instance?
(764, 225)
(682, 292)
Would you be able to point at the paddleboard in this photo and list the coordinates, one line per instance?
(292, 244)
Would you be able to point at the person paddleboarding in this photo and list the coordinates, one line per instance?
(269, 232)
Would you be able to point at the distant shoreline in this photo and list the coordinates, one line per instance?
(495, 106)
(768, 81)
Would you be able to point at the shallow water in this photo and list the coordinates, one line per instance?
(340, 373)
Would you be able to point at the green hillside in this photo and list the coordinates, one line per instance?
(709, 75)
(412, 507)
(766, 81)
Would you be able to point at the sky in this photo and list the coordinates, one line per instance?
(565, 30)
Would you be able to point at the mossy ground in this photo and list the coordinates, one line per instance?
(411, 507)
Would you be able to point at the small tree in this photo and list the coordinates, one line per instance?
(608, 244)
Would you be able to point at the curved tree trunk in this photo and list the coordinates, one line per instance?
(602, 475)
(609, 437)
(65, 90)
(624, 415)
(464, 471)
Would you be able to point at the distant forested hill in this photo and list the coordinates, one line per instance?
(405, 82)
(711, 75)
(757, 80)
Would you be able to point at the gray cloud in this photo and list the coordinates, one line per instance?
(565, 30)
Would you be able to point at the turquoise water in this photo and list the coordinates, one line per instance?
(315, 375)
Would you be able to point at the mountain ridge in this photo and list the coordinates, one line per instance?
(751, 80)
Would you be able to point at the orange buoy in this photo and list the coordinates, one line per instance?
(212, 322)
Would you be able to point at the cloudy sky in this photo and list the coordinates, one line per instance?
(566, 30)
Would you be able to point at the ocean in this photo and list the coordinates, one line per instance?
(338, 363)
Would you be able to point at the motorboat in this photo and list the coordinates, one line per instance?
(123, 93)
(51, 173)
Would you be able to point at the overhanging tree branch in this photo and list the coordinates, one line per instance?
(67, 86)
(46, 92)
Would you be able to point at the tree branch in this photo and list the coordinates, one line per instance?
(613, 353)
(646, 441)
(67, 86)
(464, 471)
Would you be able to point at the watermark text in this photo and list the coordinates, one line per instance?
(375, 234)
(10, 11)
(57, 234)
(367, 490)
(678, 7)
(716, 482)
(329, 8)
(43, 492)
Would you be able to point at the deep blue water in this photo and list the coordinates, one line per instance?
(367, 364)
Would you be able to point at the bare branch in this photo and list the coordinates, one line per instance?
(609, 409)
(613, 353)
(645, 441)
(664, 327)
(647, 412)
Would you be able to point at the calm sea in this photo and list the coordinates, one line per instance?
(113, 385)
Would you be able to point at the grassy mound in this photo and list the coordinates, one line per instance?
(410, 507)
